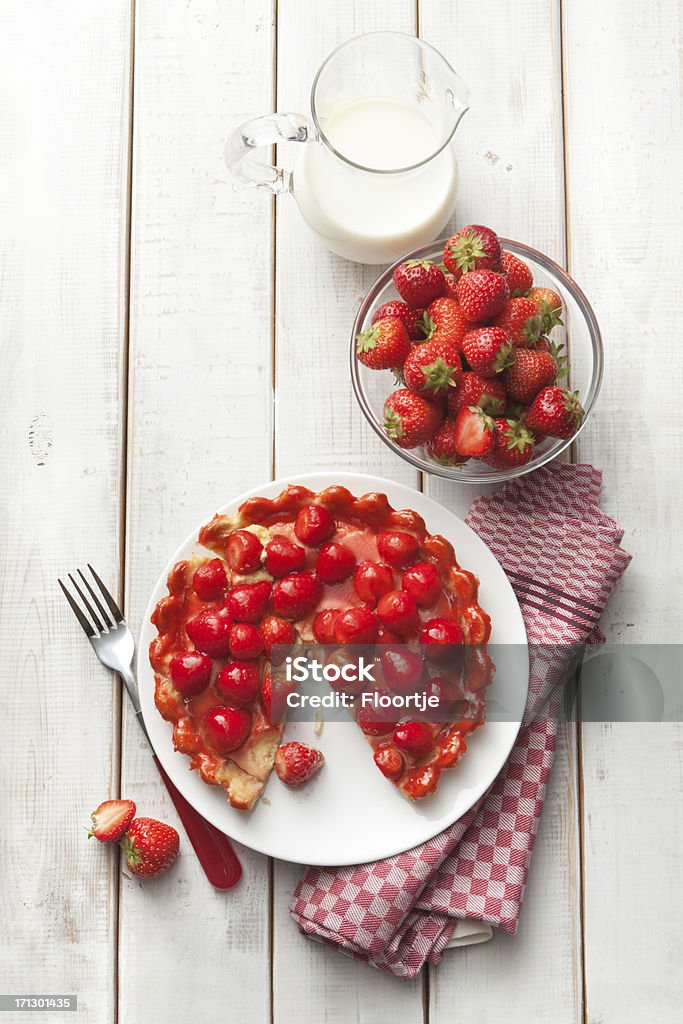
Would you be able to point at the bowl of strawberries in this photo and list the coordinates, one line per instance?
(476, 358)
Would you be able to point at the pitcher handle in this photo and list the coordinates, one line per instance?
(245, 141)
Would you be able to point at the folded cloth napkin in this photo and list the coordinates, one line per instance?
(563, 559)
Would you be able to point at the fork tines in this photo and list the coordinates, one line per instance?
(98, 623)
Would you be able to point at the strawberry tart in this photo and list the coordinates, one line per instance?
(347, 572)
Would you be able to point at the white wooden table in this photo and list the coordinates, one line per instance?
(156, 330)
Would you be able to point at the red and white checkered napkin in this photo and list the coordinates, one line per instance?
(562, 556)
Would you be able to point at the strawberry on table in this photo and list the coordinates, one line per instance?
(150, 847)
(520, 318)
(473, 433)
(384, 345)
(513, 445)
(482, 294)
(419, 282)
(549, 307)
(411, 318)
(520, 278)
(442, 447)
(409, 419)
(488, 350)
(445, 321)
(486, 392)
(529, 372)
(432, 368)
(111, 819)
(296, 763)
(472, 248)
(555, 412)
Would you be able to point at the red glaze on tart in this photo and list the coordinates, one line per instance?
(330, 568)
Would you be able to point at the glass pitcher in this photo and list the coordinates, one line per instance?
(376, 175)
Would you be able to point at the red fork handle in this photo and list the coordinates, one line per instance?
(213, 848)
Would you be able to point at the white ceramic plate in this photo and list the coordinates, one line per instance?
(350, 813)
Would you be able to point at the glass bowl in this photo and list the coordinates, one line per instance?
(580, 334)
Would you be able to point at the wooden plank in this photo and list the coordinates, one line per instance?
(64, 136)
(200, 433)
(623, 189)
(319, 426)
(510, 159)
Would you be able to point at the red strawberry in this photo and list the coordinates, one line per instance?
(210, 581)
(451, 283)
(210, 631)
(402, 669)
(314, 525)
(555, 413)
(409, 419)
(549, 307)
(414, 738)
(520, 319)
(473, 389)
(371, 580)
(335, 562)
(150, 847)
(445, 321)
(488, 350)
(296, 594)
(283, 556)
(227, 727)
(296, 763)
(419, 282)
(277, 633)
(474, 432)
(398, 611)
(384, 345)
(323, 625)
(473, 248)
(441, 639)
(239, 681)
(432, 368)
(411, 318)
(111, 819)
(423, 582)
(243, 552)
(442, 446)
(518, 274)
(246, 643)
(544, 344)
(397, 547)
(356, 626)
(190, 672)
(274, 692)
(247, 602)
(513, 445)
(482, 294)
(389, 761)
(528, 374)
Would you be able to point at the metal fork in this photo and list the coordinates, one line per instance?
(112, 642)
